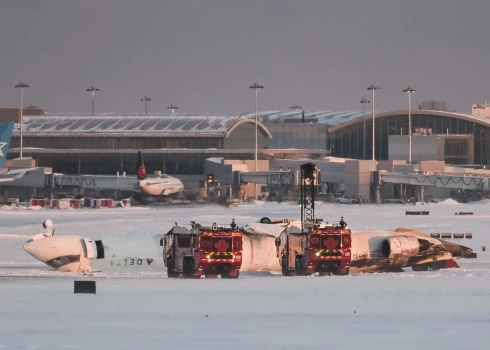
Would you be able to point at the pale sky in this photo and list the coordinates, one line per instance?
(204, 55)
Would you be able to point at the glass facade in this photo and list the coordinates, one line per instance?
(298, 135)
(348, 142)
(120, 142)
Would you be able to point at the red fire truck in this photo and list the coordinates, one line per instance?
(319, 247)
(192, 251)
(311, 246)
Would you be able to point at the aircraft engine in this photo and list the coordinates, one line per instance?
(397, 246)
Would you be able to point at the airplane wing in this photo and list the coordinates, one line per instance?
(12, 175)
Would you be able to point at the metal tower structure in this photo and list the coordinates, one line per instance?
(308, 172)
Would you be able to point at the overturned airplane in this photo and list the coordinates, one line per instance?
(370, 251)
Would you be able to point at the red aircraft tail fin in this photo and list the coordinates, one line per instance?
(140, 167)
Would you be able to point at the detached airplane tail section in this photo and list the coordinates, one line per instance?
(6, 129)
(140, 167)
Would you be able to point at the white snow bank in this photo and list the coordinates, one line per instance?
(270, 204)
(485, 201)
(14, 236)
(35, 207)
(449, 201)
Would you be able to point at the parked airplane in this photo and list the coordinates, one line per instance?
(162, 185)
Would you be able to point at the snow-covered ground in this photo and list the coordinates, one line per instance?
(447, 309)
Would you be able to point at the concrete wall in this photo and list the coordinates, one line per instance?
(424, 147)
(389, 165)
(223, 172)
(357, 178)
(432, 166)
(331, 170)
(407, 168)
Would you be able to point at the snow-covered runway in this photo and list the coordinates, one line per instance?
(446, 309)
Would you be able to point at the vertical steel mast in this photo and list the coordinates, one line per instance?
(308, 172)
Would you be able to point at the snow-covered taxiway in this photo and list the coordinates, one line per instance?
(446, 309)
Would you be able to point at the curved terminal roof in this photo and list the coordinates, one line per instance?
(468, 117)
(142, 126)
(295, 116)
(201, 125)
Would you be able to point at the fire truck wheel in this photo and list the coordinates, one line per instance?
(265, 220)
(342, 271)
(188, 267)
(284, 267)
(299, 266)
(228, 275)
(170, 268)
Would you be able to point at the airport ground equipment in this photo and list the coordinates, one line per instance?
(313, 246)
(193, 251)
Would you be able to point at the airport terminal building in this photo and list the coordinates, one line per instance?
(184, 145)
(179, 144)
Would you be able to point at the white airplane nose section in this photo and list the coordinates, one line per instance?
(31, 249)
(63, 253)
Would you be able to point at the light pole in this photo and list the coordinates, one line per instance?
(364, 101)
(409, 90)
(256, 87)
(481, 146)
(93, 90)
(146, 99)
(373, 88)
(21, 86)
(172, 107)
(478, 107)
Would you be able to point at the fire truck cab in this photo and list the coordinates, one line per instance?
(193, 251)
(322, 248)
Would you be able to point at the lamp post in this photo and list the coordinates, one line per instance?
(21, 86)
(364, 101)
(172, 107)
(409, 90)
(373, 88)
(481, 146)
(478, 107)
(256, 87)
(146, 99)
(93, 90)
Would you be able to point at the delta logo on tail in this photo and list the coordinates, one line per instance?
(140, 166)
(6, 129)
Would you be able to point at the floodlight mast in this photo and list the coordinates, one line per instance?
(308, 172)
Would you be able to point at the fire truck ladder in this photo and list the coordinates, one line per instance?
(308, 172)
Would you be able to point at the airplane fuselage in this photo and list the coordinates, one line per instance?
(372, 251)
(161, 186)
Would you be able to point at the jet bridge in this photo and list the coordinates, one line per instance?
(266, 177)
(453, 181)
(97, 182)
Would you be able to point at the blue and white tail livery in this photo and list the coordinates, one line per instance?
(6, 129)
